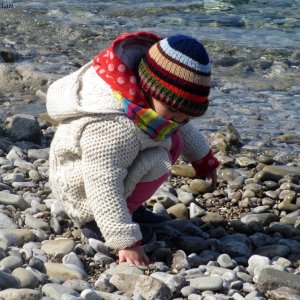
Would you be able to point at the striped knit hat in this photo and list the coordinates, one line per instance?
(176, 71)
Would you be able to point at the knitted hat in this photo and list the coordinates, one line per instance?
(176, 71)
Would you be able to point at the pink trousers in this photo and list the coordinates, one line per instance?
(144, 190)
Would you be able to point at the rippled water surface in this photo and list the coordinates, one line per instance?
(254, 48)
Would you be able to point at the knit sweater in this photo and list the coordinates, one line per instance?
(98, 155)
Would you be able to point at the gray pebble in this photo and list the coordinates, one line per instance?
(57, 210)
(26, 278)
(103, 284)
(173, 282)
(195, 297)
(257, 260)
(8, 281)
(99, 246)
(36, 223)
(211, 283)
(13, 294)
(12, 262)
(55, 226)
(89, 294)
(102, 259)
(273, 250)
(187, 290)
(72, 258)
(14, 200)
(225, 261)
(55, 291)
(185, 197)
(37, 264)
(77, 285)
(41, 277)
(38, 154)
(6, 222)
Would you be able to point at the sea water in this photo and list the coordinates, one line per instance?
(254, 47)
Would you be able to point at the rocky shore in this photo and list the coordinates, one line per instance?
(241, 241)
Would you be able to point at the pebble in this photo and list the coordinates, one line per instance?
(124, 268)
(225, 261)
(212, 283)
(36, 223)
(273, 250)
(199, 185)
(196, 211)
(12, 262)
(77, 285)
(6, 222)
(262, 218)
(178, 211)
(27, 279)
(8, 281)
(55, 291)
(146, 286)
(270, 279)
(62, 272)
(14, 200)
(173, 282)
(23, 293)
(58, 247)
(284, 293)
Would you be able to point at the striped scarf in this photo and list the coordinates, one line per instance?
(157, 127)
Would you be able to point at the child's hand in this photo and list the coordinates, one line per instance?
(134, 256)
(207, 168)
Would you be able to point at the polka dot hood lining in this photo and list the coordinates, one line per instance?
(116, 64)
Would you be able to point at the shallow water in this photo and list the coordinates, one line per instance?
(254, 48)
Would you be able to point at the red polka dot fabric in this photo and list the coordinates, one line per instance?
(113, 71)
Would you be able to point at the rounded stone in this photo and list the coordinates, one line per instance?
(77, 284)
(200, 185)
(248, 194)
(58, 247)
(36, 223)
(225, 261)
(179, 211)
(211, 283)
(12, 262)
(187, 290)
(26, 278)
(13, 294)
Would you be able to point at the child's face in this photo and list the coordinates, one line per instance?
(168, 112)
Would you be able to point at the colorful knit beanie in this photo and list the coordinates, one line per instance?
(176, 71)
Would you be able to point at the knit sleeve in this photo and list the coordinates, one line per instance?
(195, 145)
(108, 150)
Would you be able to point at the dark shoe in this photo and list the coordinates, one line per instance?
(146, 217)
(147, 234)
(92, 231)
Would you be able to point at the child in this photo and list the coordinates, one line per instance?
(123, 123)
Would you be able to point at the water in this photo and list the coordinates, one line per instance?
(254, 47)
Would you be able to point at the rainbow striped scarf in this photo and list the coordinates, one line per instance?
(148, 120)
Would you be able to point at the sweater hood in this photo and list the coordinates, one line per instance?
(88, 91)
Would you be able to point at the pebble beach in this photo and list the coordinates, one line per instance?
(241, 241)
